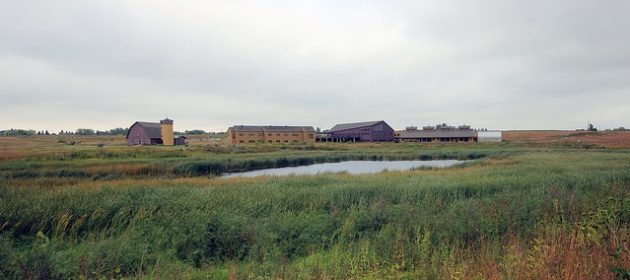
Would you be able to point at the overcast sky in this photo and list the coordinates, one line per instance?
(212, 64)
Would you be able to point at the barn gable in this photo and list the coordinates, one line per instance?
(144, 133)
(361, 131)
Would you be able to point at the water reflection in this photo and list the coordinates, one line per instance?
(352, 167)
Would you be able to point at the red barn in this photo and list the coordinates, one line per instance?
(144, 133)
(153, 133)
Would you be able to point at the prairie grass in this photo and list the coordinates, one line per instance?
(40, 158)
(515, 213)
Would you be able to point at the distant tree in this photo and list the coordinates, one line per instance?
(318, 130)
(591, 127)
(118, 131)
(195, 132)
(47, 133)
(18, 132)
(84, 131)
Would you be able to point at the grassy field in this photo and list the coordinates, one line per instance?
(90, 207)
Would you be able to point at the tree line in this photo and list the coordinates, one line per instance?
(79, 131)
(87, 131)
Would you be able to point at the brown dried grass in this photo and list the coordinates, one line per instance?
(552, 255)
(606, 139)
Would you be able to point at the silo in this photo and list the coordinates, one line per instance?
(166, 129)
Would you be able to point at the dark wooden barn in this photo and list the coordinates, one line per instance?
(181, 140)
(144, 133)
(151, 133)
(374, 131)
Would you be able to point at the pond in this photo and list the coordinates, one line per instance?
(352, 167)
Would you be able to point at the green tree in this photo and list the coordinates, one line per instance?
(118, 131)
(195, 132)
(84, 131)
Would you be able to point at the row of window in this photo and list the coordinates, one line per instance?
(285, 141)
(268, 141)
(354, 134)
(277, 134)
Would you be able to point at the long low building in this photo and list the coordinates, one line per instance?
(439, 133)
(251, 134)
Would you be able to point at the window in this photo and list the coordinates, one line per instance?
(251, 134)
(310, 135)
(286, 141)
(241, 141)
(277, 141)
(270, 134)
(278, 134)
(295, 134)
(252, 141)
(295, 141)
(286, 134)
(240, 134)
(270, 141)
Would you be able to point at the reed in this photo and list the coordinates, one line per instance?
(513, 214)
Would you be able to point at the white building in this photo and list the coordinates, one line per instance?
(489, 136)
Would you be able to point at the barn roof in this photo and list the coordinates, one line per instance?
(153, 129)
(260, 128)
(345, 126)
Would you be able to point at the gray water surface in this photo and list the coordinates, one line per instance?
(352, 167)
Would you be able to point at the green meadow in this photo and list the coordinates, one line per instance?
(91, 211)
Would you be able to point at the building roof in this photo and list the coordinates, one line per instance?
(437, 133)
(346, 126)
(261, 128)
(153, 129)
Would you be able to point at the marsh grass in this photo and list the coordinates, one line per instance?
(513, 214)
(115, 162)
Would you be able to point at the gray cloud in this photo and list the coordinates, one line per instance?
(211, 64)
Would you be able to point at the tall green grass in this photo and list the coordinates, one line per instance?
(394, 224)
(196, 163)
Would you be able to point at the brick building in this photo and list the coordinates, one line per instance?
(248, 134)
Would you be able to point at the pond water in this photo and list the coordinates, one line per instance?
(352, 167)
